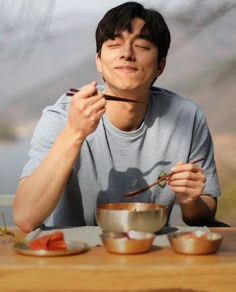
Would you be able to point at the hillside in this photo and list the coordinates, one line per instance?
(201, 67)
(225, 145)
(214, 90)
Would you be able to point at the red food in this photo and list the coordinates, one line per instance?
(57, 244)
(51, 241)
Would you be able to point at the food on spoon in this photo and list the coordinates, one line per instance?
(52, 241)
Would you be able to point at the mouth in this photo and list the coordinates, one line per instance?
(126, 68)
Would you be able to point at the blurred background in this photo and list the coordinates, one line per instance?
(47, 47)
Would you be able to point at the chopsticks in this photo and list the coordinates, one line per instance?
(164, 177)
(73, 91)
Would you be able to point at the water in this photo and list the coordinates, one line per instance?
(13, 156)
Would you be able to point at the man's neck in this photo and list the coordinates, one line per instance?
(125, 116)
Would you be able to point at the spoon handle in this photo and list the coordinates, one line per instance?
(135, 193)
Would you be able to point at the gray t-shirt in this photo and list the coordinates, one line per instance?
(113, 162)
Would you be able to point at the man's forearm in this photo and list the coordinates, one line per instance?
(38, 194)
(199, 212)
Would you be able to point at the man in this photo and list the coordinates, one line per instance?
(87, 150)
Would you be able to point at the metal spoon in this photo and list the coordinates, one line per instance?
(135, 193)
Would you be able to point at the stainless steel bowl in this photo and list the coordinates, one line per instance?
(122, 217)
(132, 242)
(189, 243)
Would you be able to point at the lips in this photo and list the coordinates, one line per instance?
(126, 68)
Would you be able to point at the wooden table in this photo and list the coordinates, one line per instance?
(161, 269)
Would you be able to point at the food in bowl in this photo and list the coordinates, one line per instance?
(195, 243)
(131, 242)
(122, 217)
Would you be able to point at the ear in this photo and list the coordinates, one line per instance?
(98, 63)
(161, 66)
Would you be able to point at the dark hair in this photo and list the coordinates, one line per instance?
(120, 19)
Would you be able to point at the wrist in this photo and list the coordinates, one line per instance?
(74, 137)
(197, 212)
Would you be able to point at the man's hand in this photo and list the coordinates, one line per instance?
(86, 108)
(187, 181)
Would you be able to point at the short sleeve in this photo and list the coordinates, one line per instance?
(51, 123)
(202, 146)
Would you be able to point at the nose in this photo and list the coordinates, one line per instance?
(127, 52)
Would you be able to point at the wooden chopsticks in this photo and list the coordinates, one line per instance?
(72, 92)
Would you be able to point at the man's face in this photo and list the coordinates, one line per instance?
(129, 62)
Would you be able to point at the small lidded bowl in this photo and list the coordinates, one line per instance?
(130, 242)
(195, 243)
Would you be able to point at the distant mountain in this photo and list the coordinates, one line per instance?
(214, 90)
(202, 68)
(35, 60)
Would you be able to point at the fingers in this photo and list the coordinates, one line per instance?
(187, 181)
(187, 172)
(86, 91)
(188, 175)
(92, 107)
(88, 100)
(187, 186)
(86, 108)
(181, 166)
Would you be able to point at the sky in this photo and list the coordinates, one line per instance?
(30, 30)
(63, 7)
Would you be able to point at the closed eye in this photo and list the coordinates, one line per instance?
(113, 45)
(142, 44)
(142, 47)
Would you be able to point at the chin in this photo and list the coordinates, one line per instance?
(128, 86)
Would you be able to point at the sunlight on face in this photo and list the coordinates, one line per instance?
(129, 61)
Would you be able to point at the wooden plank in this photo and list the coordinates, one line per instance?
(161, 269)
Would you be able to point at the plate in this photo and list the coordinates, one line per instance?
(73, 247)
